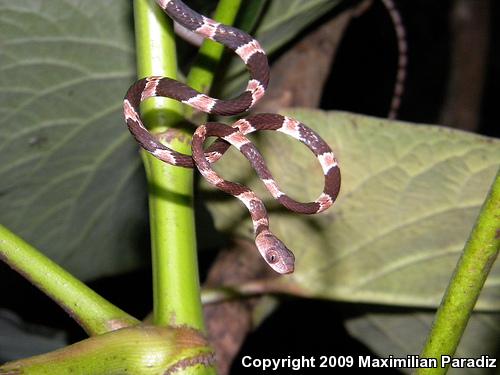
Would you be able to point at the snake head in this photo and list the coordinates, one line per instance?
(275, 253)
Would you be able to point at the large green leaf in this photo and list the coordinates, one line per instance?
(70, 178)
(409, 197)
(404, 333)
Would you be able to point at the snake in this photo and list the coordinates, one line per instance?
(272, 249)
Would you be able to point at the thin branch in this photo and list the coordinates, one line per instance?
(92, 312)
(465, 286)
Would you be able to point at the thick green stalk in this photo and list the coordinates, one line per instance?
(175, 269)
(94, 314)
(468, 279)
(144, 350)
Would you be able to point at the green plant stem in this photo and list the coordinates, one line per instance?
(143, 349)
(202, 73)
(92, 312)
(468, 279)
(175, 269)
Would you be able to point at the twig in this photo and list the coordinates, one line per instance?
(467, 281)
(92, 312)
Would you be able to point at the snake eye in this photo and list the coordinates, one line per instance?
(272, 257)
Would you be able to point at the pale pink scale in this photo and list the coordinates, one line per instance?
(202, 102)
(291, 127)
(201, 131)
(163, 3)
(213, 156)
(248, 50)
(208, 29)
(256, 89)
(327, 161)
(129, 111)
(246, 197)
(150, 89)
(237, 139)
(212, 176)
(324, 201)
(273, 188)
(164, 155)
(244, 126)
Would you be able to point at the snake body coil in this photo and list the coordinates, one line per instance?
(271, 248)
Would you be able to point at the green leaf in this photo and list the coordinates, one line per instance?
(70, 176)
(404, 333)
(409, 197)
